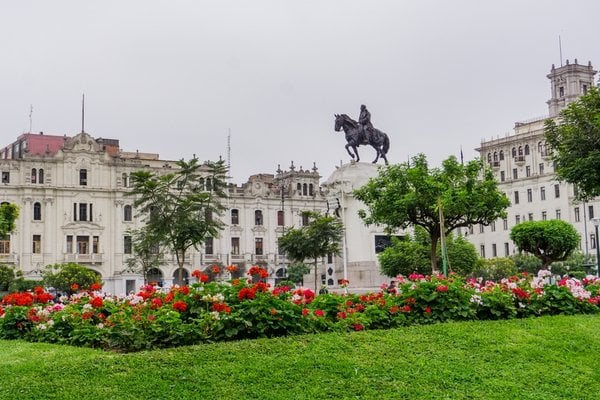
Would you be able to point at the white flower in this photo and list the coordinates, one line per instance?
(215, 315)
(41, 327)
(476, 299)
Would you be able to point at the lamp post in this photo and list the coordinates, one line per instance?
(596, 224)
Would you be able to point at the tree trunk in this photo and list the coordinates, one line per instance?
(316, 272)
(434, 241)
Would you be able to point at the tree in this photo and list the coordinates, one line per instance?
(146, 252)
(574, 140)
(69, 277)
(411, 255)
(296, 272)
(8, 216)
(408, 194)
(181, 208)
(552, 240)
(322, 236)
(7, 276)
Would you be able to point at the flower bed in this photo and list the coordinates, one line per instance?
(239, 309)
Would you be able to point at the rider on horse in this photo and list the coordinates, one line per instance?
(364, 120)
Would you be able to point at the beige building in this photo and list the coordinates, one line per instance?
(74, 207)
(525, 173)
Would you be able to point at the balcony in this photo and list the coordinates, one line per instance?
(9, 259)
(495, 164)
(519, 159)
(84, 258)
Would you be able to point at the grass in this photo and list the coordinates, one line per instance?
(538, 358)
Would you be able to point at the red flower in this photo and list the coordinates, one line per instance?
(74, 287)
(196, 273)
(156, 303)
(341, 315)
(216, 269)
(96, 286)
(427, 310)
(406, 308)
(358, 327)
(180, 306)
(319, 313)
(221, 307)
(256, 270)
(232, 268)
(246, 293)
(442, 288)
(305, 311)
(273, 311)
(97, 302)
(520, 293)
(184, 289)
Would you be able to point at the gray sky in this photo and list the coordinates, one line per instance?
(173, 77)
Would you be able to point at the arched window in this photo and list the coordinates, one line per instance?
(184, 277)
(520, 150)
(526, 149)
(540, 147)
(489, 157)
(495, 156)
(208, 184)
(155, 276)
(258, 217)
(33, 175)
(40, 176)
(235, 217)
(299, 188)
(514, 152)
(311, 189)
(304, 189)
(501, 155)
(125, 180)
(37, 211)
(127, 214)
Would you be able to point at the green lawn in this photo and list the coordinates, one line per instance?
(540, 358)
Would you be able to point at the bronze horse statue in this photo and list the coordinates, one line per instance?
(356, 137)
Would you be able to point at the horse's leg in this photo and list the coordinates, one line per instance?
(378, 153)
(356, 151)
(348, 150)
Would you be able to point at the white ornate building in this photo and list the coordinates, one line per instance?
(74, 207)
(525, 173)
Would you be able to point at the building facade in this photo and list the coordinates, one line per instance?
(524, 170)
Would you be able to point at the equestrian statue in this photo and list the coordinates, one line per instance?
(362, 133)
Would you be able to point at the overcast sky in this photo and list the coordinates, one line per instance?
(175, 77)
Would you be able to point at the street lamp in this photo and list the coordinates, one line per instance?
(596, 224)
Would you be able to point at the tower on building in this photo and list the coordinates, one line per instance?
(567, 83)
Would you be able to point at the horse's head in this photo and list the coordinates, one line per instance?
(342, 120)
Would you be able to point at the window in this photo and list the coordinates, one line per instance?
(591, 212)
(489, 156)
(208, 246)
(558, 214)
(482, 251)
(516, 197)
(505, 224)
(37, 244)
(280, 218)
(513, 152)
(127, 213)
(95, 244)
(69, 248)
(520, 150)
(495, 156)
(299, 188)
(506, 249)
(493, 226)
(494, 251)
(561, 91)
(127, 245)
(529, 196)
(37, 211)
(235, 217)
(584, 88)
(83, 244)
(81, 212)
(526, 149)
(125, 180)
(33, 175)
(235, 246)
(481, 228)
(544, 215)
(502, 176)
(541, 166)
(40, 176)
(543, 193)
(258, 217)
(5, 245)
(593, 240)
(517, 219)
(83, 177)
(311, 189)
(304, 219)
(515, 174)
(556, 191)
(576, 211)
(470, 229)
(304, 189)
(530, 216)
(258, 246)
(5, 177)
(501, 155)
(527, 170)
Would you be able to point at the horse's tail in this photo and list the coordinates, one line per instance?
(386, 143)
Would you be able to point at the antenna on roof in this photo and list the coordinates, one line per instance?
(229, 151)
(560, 50)
(82, 113)
(30, 114)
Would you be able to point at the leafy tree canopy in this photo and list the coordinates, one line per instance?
(551, 240)
(574, 140)
(69, 277)
(408, 194)
(182, 208)
(322, 236)
(8, 216)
